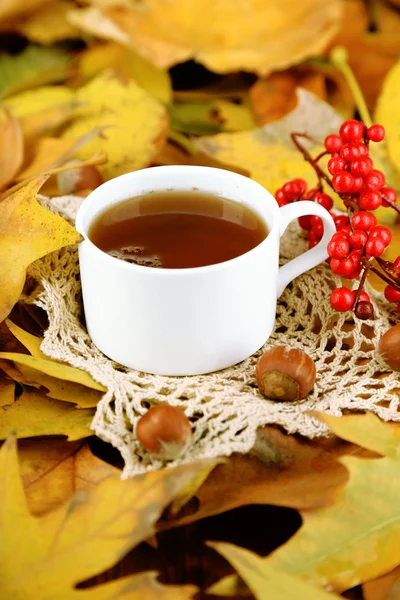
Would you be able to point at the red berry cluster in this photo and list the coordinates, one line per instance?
(359, 240)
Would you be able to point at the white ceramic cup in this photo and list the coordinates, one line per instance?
(194, 320)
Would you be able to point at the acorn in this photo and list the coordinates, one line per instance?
(285, 374)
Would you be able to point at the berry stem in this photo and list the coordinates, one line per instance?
(339, 58)
(307, 156)
(383, 276)
(367, 268)
(391, 204)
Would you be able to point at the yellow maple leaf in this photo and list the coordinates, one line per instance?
(49, 24)
(387, 113)
(256, 36)
(27, 232)
(33, 414)
(84, 536)
(11, 147)
(134, 123)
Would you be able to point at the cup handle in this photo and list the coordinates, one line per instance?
(312, 257)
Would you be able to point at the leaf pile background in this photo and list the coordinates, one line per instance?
(93, 89)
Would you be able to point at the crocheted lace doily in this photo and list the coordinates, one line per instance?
(225, 408)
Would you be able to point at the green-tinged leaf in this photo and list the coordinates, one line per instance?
(367, 431)
(232, 116)
(267, 582)
(33, 67)
(194, 118)
(84, 536)
(356, 539)
(34, 414)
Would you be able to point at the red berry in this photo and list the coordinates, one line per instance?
(391, 294)
(333, 143)
(363, 220)
(341, 299)
(335, 164)
(343, 266)
(311, 194)
(313, 243)
(283, 203)
(356, 273)
(361, 166)
(396, 264)
(338, 248)
(370, 200)
(364, 310)
(291, 190)
(351, 131)
(301, 184)
(381, 232)
(305, 222)
(349, 152)
(374, 181)
(364, 297)
(357, 185)
(312, 236)
(376, 133)
(340, 222)
(390, 194)
(280, 195)
(375, 247)
(358, 239)
(362, 148)
(343, 181)
(324, 200)
(317, 226)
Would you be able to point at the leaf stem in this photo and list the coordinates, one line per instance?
(339, 59)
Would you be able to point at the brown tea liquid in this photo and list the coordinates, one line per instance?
(177, 229)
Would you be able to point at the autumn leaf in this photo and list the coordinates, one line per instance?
(53, 470)
(285, 474)
(33, 67)
(172, 154)
(53, 369)
(33, 414)
(11, 147)
(387, 113)
(371, 53)
(380, 588)
(44, 98)
(356, 539)
(136, 123)
(268, 152)
(27, 232)
(83, 537)
(68, 384)
(267, 582)
(49, 24)
(10, 10)
(128, 63)
(94, 21)
(261, 37)
(368, 431)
